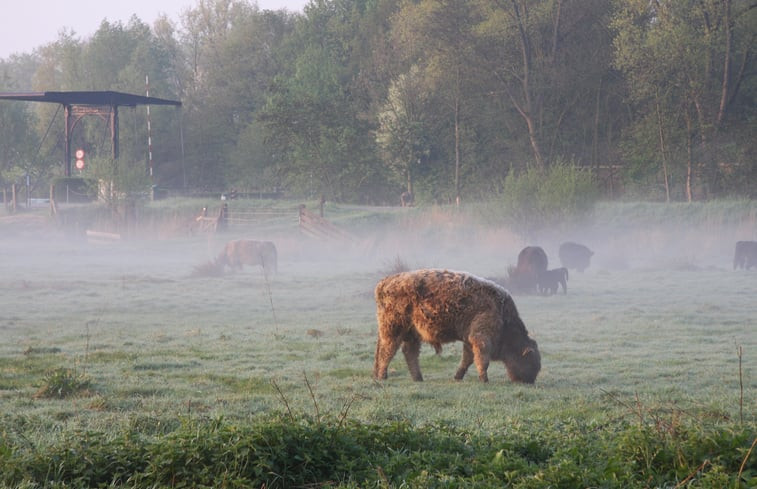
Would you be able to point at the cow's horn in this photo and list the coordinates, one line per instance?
(527, 350)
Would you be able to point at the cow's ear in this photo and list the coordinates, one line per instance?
(527, 350)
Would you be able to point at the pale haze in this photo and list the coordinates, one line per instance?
(29, 24)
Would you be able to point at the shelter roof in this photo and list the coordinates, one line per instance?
(88, 98)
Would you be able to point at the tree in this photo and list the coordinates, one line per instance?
(677, 57)
(315, 117)
(548, 59)
(403, 132)
(437, 36)
(18, 141)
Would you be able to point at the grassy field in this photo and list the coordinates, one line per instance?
(659, 331)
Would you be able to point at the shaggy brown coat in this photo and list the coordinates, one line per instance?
(440, 306)
(242, 252)
(745, 255)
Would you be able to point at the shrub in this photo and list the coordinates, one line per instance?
(537, 199)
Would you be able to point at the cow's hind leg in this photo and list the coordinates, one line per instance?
(411, 348)
(465, 362)
(386, 348)
(481, 358)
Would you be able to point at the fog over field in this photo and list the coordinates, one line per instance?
(659, 314)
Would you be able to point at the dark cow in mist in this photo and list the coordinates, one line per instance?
(574, 255)
(441, 306)
(242, 252)
(524, 277)
(745, 255)
(550, 281)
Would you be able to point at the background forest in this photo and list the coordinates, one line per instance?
(360, 100)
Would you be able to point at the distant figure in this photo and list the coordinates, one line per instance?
(745, 255)
(574, 255)
(407, 199)
(222, 223)
(233, 194)
(550, 281)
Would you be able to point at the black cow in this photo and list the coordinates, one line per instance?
(574, 255)
(745, 255)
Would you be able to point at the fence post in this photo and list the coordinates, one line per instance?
(53, 208)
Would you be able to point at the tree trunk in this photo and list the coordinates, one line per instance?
(662, 150)
(726, 63)
(595, 131)
(689, 155)
(457, 136)
(526, 109)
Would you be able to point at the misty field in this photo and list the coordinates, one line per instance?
(659, 331)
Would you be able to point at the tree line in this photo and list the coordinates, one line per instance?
(361, 100)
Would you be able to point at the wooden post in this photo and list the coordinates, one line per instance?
(53, 209)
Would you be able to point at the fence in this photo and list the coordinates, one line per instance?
(309, 223)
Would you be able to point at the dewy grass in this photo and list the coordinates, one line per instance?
(164, 350)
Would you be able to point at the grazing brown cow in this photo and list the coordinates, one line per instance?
(550, 281)
(440, 306)
(532, 261)
(242, 252)
(745, 255)
(574, 255)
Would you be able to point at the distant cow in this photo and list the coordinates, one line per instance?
(242, 252)
(574, 255)
(407, 199)
(532, 261)
(550, 280)
(745, 255)
(440, 306)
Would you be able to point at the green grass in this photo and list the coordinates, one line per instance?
(640, 385)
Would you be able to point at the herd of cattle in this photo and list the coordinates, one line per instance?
(531, 274)
(438, 306)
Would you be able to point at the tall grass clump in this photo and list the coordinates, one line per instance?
(61, 383)
(548, 198)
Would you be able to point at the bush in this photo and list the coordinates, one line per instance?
(551, 198)
(301, 452)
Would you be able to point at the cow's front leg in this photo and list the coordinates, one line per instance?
(465, 362)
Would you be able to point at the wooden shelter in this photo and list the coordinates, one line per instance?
(76, 105)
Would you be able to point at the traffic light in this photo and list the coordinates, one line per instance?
(79, 159)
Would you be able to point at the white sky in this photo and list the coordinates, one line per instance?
(28, 24)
